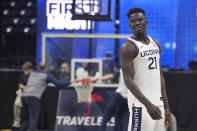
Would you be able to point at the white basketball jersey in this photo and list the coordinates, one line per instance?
(147, 72)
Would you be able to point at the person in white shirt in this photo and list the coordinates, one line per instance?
(117, 105)
(82, 72)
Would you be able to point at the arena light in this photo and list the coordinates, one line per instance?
(23, 12)
(5, 12)
(9, 29)
(26, 29)
(29, 4)
(15, 20)
(33, 21)
(117, 22)
(13, 3)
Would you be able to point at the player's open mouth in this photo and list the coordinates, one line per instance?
(138, 29)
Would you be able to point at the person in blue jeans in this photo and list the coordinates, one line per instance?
(37, 83)
(117, 105)
(27, 68)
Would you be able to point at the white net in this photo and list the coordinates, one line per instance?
(84, 93)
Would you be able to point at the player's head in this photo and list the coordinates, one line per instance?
(137, 20)
(27, 66)
(42, 66)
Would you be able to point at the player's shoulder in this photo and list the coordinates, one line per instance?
(128, 48)
(155, 40)
(129, 45)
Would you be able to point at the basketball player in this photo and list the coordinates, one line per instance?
(140, 61)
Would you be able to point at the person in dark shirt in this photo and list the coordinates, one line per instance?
(27, 68)
(64, 73)
(36, 85)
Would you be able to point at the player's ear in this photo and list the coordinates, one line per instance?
(146, 22)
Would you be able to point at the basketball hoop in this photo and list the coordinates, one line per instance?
(84, 90)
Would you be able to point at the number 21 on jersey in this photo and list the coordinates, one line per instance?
(153, 63)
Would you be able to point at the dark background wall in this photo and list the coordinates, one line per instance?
(9, 84)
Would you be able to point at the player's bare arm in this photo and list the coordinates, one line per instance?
(168, 117)
(163, 92)
(127, 53)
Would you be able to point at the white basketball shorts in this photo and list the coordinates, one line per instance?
(140, 120)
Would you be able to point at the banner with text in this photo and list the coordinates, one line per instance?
(73, 116)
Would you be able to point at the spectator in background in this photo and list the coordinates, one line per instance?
(27, 68)
(36, 85)
(82, 72)
(64, 72)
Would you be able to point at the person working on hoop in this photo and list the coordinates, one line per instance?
(140, 62)
(37, 83)
(27, 68)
